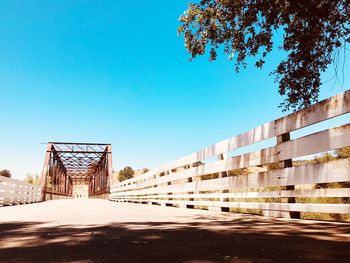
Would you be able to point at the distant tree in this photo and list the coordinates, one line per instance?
(125, 173)
(325, 158)
(343, 153)
(5, 173)
(313, 34)
(145, 170)
(196, 164)
(237, 172)
(29, 179)
(32, 179)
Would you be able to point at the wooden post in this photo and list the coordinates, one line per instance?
(285, 164)
(223, 174)
(169, 183)
(190, 180)
(221, 157)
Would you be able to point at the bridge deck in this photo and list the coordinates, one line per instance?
(95, 230)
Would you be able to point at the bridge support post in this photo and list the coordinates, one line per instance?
(44, 172)
(110, 167)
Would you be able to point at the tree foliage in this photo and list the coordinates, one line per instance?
(5, 173)
(125, 173)
(312, 31)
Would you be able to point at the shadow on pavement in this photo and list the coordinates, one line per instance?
(238, 240)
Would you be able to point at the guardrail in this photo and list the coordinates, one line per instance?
(246, 181)
(14, 192)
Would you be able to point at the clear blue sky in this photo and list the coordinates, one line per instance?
(116, 72)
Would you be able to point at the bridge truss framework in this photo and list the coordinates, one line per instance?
(69, 164)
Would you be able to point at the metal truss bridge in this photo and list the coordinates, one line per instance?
(76, 169)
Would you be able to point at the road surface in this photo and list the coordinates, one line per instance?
(94, 230)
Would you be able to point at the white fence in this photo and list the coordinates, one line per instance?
(13, 192)
(195, 181)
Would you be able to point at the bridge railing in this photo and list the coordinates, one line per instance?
(13, 192)
(265, 180)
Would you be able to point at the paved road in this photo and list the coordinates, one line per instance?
(101, 231)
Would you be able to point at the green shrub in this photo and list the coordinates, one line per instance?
(126, 173)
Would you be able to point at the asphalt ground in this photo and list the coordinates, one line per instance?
(94, 230)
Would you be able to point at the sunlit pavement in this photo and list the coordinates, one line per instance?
(94, 230)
